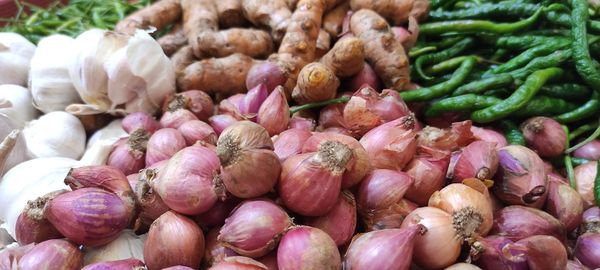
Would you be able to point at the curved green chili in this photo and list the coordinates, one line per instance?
(480, 86)
(519, 98)
(420, 51)
(583, 129)
(590, 108)
(485, 11)
(568, 91)
(531, 53)
(597, 183)
(545, 106)
(512, 132)
(554, 59)
(522, 42)
(441, 56)
(445, 66)
(464, 103)
(590, 138)
(581, 53)
(438, 90)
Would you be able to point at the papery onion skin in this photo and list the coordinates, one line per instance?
(116, 265)
(521, 177)
(388, 218)
(178, 267)
(383, 249)
(52, 254)
(290, 142)
(589, 150)
(305, 247)
(254, 227)
(565, 204)
(587, 250)
(88, 216)
(448, 139)
(238, 263)
(163, 144)
(391, 145)
(173, 240)
(215, 251)
(220, 122)
(489, 135)
(368, 109)
(189, 182)
(340, 222)
(439, 247)
(10, 256)
(140, 120)
(199, 103)
(428, 169)
(129, 154)
(544, 135)
(544, 252)
(357, 167)
(249, 167)
(517, 222)
(196, 130)
(479, 160)
(30, 230)
(585, 175)
(151, 206)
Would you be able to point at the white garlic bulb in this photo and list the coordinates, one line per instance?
(16, 103)
(113, 131)
(56, 134)
(18, 153)
(49, 79)
(15, 52)
(127, 245)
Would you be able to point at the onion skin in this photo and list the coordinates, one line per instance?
(173, 240)
(238, 263)
(462, 266)
(478, 160)
(489, 135)
(269, 260)
(332, 116)
(449, 139)
(151, 206)
(383, 249)
(589, 151)
(300, 121)
(521, 177)
(252, 101)
(267, 73)
(356, 168)
(540, 248)
(544, 135)
(565, 204)
(590, 221)
(196, 102)
(439, 247)
(129, 154)
(188, 182)
(249, 167)
(88, 216)
(220, 122)
(178, 267)
(115, 265)
(196, 130)
(366, 76)
(215, 251)
(305, 247)
(340, 222)
(575, 265)
(163, 144)
(587, 250)
(290, 142)
(497, 252)
(254, 227)
(217, 214)
(52, 254)
(388, 218)
(368, 109)
(585, 175)
(9, 257)
(274, 113)
(31, 230)
(391, 145)
(518, 222)
(140, 120)
(174, 119)
(428, 169)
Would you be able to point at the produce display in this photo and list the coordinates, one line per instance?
(301, 134)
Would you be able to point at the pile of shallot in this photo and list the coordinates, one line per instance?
(246, 184)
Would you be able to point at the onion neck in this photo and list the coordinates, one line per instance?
(228, 150)
(179, 102)
(138, 140)
(466, 221)
(334, 155)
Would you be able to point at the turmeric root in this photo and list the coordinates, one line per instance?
(396, 11)
(273, 14)
(323, 44)
(334, 19)
(226, 75)
(251, 42)
(230, 13)
(173, 41)
(382, 50)
(346, 58)
(198, 16)
(159, 15)
(182, 58)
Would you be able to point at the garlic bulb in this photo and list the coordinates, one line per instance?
(16, 53)
(18, 153)
(135, 75)
(28, 181)
(49, 79)
(128, 245)
(16, 103)
(56, 134)
(113, 130)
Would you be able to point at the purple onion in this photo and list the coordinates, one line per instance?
(267, 73)
(587, 250)
(589, 151)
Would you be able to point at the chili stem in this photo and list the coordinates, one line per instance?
(569, 162)
(296, 109)
(592, 137)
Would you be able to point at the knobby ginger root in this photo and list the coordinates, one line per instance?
(382, 49)
(181, 59)
(198, 16)
(230, 13)
(251, 42)
(346, 58)
(334, 19)
(323, 44)
(226, 75)
(173, 41)
(273, 14)
(159, 15)
(397, 11)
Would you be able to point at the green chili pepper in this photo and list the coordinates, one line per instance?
(441, 56)
(419, 51)
(498, 92)
(519, 98)
(485, 11)
(545, 106)
(438, 90)
(579, 161)
(512, 132)
(554, 59)
(569, 162)
(464, 103)
(526, 56)
(445, 66)
(581, 53)
(522, 42)
(582, 129)
(590, 138)
(499, 54)
(597, 183)
(568, 91)
(480, 86)
(588, 109)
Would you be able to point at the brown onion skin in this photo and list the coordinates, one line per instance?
(150, 205)
(479, 160)
(188, 182)
(391, 145)
(173, 240)
(585, 175)
(356, 169)
(249, 167)
(521, 177)
(304, 247)
(565, 204)
(197, 102)
(340, 222)
(544, 135)
(448, 139)
(589, 151)
(9, 257)
(290, 142)
(30, 230)
(129, 154)
(215, 251)
(544, 252)
(368, 109)
(383, 249)
(88, 216)
(388, 218)
(52, 254)
(220, 122)
(489, 135)
(238, 263)
(196, 130)
(428, 169)
(517, 222)
(587, 250)
(254, 227)
(137, 120)
(274, 113)
(128, 264)
(163, 144)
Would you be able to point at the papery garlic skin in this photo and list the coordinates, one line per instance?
(49, 80)
(19, 152)
(127, 245)
(16, 103)
(15, 52)
(112, 131)
(56, 134)
(28, 181)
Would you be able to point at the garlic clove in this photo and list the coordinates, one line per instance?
(16, 53)
(56, 134)
(15, 102)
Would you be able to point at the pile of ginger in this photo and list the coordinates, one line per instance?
(309, 47)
